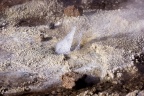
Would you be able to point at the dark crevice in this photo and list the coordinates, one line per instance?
(66, 57)
(30, 22)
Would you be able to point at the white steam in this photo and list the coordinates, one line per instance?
(64, 46)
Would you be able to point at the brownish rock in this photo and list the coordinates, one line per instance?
(73, 11)
(72, 80)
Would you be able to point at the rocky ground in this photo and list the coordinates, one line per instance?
(106, 54)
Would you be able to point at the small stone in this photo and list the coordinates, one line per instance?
(119, 75)
(90, 93)
(53, 92)
(102, 94)
(27, 89)
(73, 11)
(72, 80)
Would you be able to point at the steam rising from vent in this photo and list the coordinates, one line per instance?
(64, 46)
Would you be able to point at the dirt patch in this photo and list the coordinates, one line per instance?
(30, 22)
